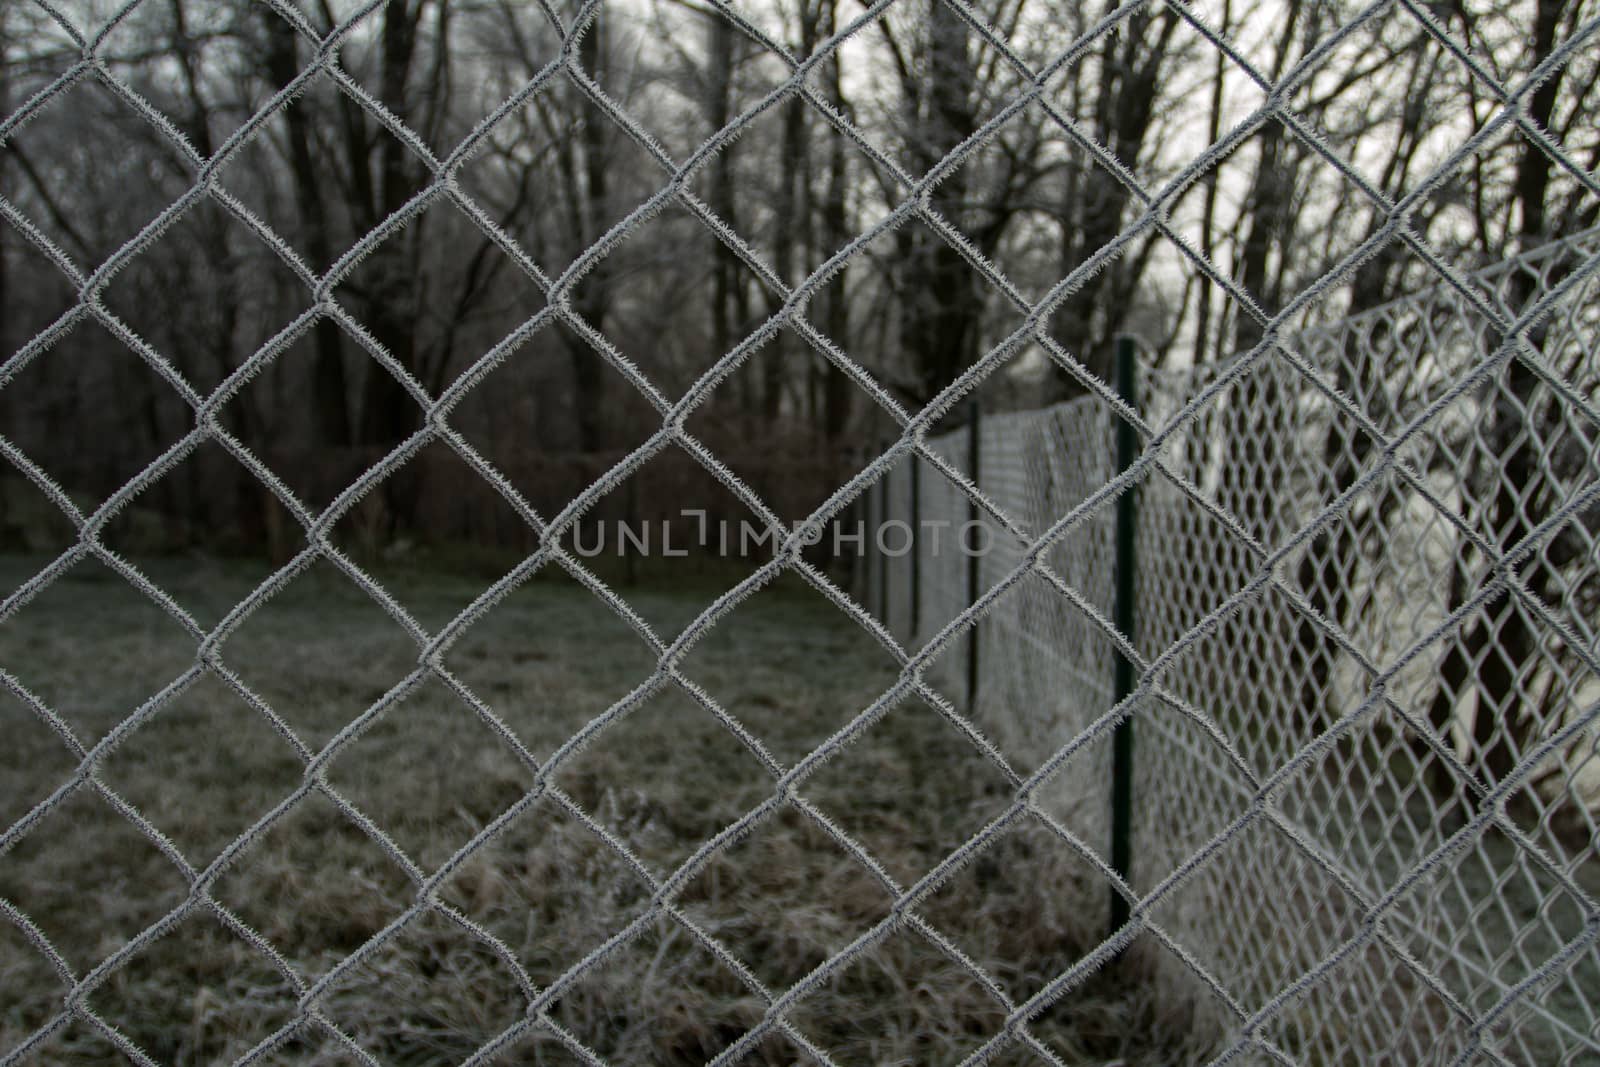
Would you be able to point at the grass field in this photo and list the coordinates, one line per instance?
(432, 774)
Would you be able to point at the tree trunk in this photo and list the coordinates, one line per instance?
(725, 312)
(389, 414)
(591, 296)
(1123, 108)
(329, 389)
(1500, 640)
(837, 389)
(941, 301)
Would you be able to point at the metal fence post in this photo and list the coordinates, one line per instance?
(973, 562)
(1125, 621)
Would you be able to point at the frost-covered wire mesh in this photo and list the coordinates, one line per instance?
(1034, 466)
(1349, 842)
(1489, 914)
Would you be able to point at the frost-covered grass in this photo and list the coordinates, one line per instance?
(431, 773)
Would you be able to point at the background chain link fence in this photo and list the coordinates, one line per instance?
(1447, 893)
(1358, 836)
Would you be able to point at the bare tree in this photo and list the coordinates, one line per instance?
(1498, 657)
(1120, 103)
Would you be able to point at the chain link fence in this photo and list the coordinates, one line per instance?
(1405, 843)
(1365, 710)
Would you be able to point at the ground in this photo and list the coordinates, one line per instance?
(432, 773)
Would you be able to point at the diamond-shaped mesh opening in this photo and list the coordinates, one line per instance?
(255, 294)
(786, 255)
(430, 977)
(332, 681)
(210, 493)
(529, 417)
(989, 909)
(668, 520)
(526, 660)
(203, 768)
(319, 228)
(562, 142)
(315, 886)
(962, 84)
(549, 888)
(950, 789)
(740, 73)
(310, 365)
(469, 778)
(790, 716)
(122, 413)
(127, 168)
(94, 648)
(663, 777)
(47, 882)
(384, 292)
(322, 127)
(522, 42)
(759, 898)
(648, 300)
(534, 388)
(945, 317)
(197, 992)
(761, 422)
(437, 577)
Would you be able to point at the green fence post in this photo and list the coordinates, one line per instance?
(1125, 620)
(973, 565)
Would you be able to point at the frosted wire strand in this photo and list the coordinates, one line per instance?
(913, 443)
